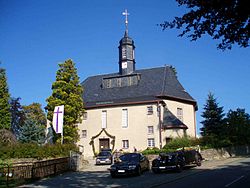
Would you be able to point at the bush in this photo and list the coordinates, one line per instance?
(31, 150)
(213, 141)
(182, 142)
(151, 151)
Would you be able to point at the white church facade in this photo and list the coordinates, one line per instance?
(134, 108)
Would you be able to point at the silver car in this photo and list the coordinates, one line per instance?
(104, 157)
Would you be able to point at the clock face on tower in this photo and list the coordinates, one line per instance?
(124, 65)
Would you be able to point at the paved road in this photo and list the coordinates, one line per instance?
(236, 170)
(233, 175)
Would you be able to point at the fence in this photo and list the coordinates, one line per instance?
(19, 172)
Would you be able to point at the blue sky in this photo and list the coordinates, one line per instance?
(37, 35)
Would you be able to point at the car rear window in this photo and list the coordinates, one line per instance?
(104, 153)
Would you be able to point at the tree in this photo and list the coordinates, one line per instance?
(35, 112)
(17, 116)
(238, 123)
(213, 123)
(7, 137)
(67, 91)
(227, 20)
(31, 132)
(5, 116)
(35, 122)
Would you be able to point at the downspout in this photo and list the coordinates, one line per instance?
(195, 127)
(160, 123)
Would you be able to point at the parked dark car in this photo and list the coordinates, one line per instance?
(176, 160)
(130, 164)
(104, 157)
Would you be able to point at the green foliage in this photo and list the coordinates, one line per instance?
(31, 131)
(31, 150)
(214, 127)
(213, 122)
(213, 141)
(5, 116)
(238, 127)
(181, 142)
(17, 116)
(67, 91)
(35, 111)
(7, 138)
(35, 122)
(220, 19)
(174, 144)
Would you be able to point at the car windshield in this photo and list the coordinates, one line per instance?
(104, 153)
(129, 157)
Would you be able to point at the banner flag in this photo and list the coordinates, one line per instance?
(58, 119)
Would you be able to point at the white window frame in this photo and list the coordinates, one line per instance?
(151, 142)
(84, 133)
(124, 118)
(125, 144)
(85, 115)
(150, 129)
(104, 119)
(180, 113)
(150, 110)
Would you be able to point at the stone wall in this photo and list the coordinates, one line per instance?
(212, 154)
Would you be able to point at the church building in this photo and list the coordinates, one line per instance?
(134, 108)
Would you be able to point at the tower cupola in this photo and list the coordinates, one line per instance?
(126, 51)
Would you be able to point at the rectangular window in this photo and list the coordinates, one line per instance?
(150, 130)
(84, 133)
(124, 118)
(104, 119)
(119, 82)
(108, 83)
(125, 144)
(180, 114)
(85, 115)
(150, 110)
(151, 142)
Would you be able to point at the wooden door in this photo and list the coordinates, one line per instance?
(103, 143)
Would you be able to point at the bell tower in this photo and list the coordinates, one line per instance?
(126, 51)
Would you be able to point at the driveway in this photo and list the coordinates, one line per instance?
(99, 177)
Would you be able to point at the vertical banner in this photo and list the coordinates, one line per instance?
(58, 119)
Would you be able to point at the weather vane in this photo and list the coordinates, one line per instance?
(125, 13)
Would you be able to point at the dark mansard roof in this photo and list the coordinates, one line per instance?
(150, 85)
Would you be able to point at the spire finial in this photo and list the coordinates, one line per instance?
(125, 13)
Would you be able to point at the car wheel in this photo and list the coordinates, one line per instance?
(148, 167)
(156, 171)
(113, 175)
(139, 171)
(179, 167)
(198, 160)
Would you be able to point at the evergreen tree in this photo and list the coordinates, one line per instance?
(31, 132)
(5, 116)
(238, 123)
(34, 113)
(17, 116)
(213, 122)
(67, 91)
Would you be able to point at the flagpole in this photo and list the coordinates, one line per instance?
(62, 137)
